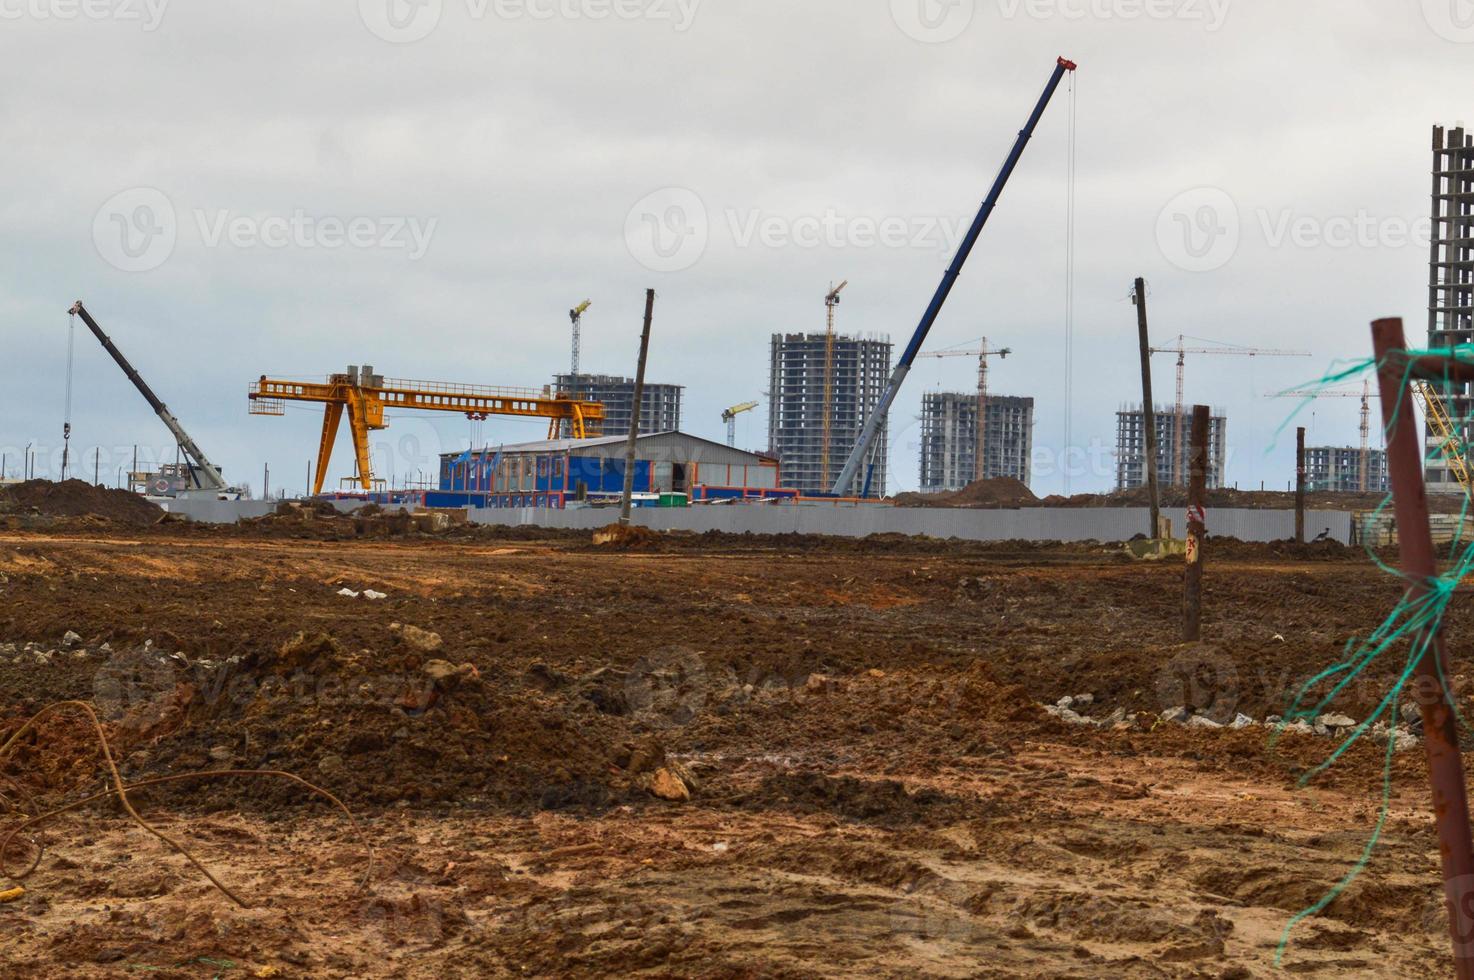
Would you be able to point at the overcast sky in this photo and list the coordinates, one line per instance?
(239, 188)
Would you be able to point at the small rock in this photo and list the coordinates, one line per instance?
(1242, 721)
(371, 594)
(329, 764)
(347, 593)
(1115, 717)
(70, 640)
(421, 640)
(668, 786)
(1336, 721)
(79, 654)
(1202, 721)
(1084, 699)
(1065, 702)
(1175, 716)
(817, 683)
(877, 674)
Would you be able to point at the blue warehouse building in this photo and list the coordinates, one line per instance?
(556, 473)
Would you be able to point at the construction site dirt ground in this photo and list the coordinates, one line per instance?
(873, 787)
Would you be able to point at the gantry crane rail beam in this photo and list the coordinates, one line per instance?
(365, 406)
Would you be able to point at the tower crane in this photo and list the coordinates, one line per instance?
(980, 425)
(868, 434)
(830, 302)
(1366, 396)
(1179, 465)
(730, 417)
(364, 395)
(576, 315)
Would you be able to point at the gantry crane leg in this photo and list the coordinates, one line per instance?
(331, 416)
(358, 424)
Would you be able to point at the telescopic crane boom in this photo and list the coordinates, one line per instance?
(205, 474)
(868, 434)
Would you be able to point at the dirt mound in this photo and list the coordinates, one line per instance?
(1003, 491)
(385, 726)
(626, 537)
(76, 498)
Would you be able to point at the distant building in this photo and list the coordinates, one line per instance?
(1451, 286)
(1172, 461)
(660, 405)
(949, 439)
(859, 370)
(1336, 470)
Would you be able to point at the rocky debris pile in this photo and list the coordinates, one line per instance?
(1073, 710)
(77, 498)
(320, 520)
(626, 537)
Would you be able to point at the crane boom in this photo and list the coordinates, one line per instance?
(949, 278)
(206, 474)
(729, 416)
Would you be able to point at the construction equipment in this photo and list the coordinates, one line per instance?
(981, 422)
(1448, 437)
(204, 475)
(830, 302)
(1182, 350)
(364, 396)
(863, 445)
(730, 417)
(576, 315)
(1365, 394)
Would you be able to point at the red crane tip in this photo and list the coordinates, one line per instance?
(1068, 64)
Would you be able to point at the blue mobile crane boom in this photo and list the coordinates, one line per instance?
(868, 434)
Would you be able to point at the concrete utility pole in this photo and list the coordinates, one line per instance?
(1148, 410)
(629, 448)
(1430, 682)
(1300, 486)
(1197, 527)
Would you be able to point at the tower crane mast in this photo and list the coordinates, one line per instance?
(729, 416)
(830, 302)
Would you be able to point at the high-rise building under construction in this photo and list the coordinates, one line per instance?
(858, 371)
(1173, 461)
(949, 439)
(1451, 285)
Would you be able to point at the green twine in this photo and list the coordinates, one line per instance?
(1418, 619)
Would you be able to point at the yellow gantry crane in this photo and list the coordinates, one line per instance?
(364, 396)
(830, 302)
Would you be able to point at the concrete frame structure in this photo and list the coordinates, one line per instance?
(861, 367)
(1131, 448)
(1335, 469)
(660, 405)
(949, 439)
(1451, 284)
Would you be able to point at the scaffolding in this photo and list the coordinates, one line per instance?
(949, 439)
(1451, 289)
(859, 367)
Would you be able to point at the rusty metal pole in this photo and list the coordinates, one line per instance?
(626, 500)
(1148, 410)
(1429, 686)
(1300, 486)
(1197, 527)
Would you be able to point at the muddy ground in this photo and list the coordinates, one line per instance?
(863, 780)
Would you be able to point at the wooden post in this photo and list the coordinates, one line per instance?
(1197, 527)
(626, 500)
(1429, 685)
(1300, 486)
(1148, 410)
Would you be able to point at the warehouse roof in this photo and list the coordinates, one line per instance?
(677, 447)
